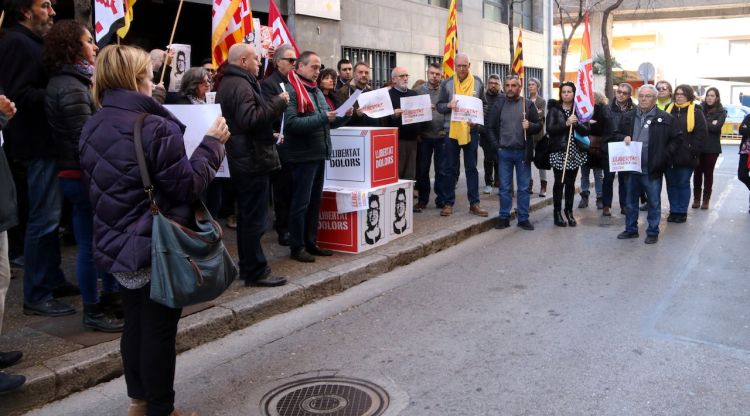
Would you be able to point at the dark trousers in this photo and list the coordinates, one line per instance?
(253, 197)
(703, 176)
(491, 166)
(307, 190)
(742, 171)
(569, 187)
(16, 235)
(608, 187)
(281, 182)
(428, 150)
(148, 350)
(212, 197)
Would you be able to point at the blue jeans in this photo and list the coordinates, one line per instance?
(638, 182)
(510, 159)
(253, 197)
(586, 182)
(83, 229)
(428, 149)
(608, 188)
(42, 273)
(445, 188)
(678, 189)
(307, 190)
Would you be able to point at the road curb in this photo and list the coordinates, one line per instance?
(61, 376)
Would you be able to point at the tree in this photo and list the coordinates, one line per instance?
(575, 20)
(608, 90)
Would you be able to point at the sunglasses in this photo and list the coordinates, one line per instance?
(663, 89)
(290, 60)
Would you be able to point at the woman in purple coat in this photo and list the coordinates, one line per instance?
(122, 219)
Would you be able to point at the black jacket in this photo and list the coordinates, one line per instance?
(713, 139)
(251, 150)
(24, 80)
(744, 130)
(8, 207)
(493, 125)
(69, 106)
(663, 140)
(364, 120)
(557, 131)
(484, 136)
(688, 155)
(405, 132)
(270, 87)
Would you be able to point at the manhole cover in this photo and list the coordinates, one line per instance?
(329, 396)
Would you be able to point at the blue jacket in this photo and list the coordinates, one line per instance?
(122, 219)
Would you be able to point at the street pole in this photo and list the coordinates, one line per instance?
(550, 70)
(290, 19)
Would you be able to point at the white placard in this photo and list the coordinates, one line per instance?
(197, 118)
(349, 103)
(468, 109)
(180, 64)
(416, 109)
(211, 97)
(624, 158)
(376, 104)
(347, 199)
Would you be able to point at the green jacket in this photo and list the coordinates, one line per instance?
(307, 136)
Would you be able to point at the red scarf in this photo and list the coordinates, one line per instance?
(304, 103)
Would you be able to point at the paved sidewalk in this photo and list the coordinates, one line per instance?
(60, 357)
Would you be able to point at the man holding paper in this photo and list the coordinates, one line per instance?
(360, 81)
(462, 135)
(407, 133)
(652, 127)
(252, 156)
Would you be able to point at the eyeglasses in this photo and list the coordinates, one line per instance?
(621, 92)
(663, 89)
(290, 60)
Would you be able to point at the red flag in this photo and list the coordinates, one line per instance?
(584, 93)
(279, 32)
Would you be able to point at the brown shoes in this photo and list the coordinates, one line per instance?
(447, 210)
(477, 210)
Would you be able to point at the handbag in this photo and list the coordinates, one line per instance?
(581, 141)
(541, 153)
(187, 266)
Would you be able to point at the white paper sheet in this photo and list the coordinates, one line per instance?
(468, 109)
(416, 109)
(198, 118)
(624, 158)
(349, 103)
(376, 104)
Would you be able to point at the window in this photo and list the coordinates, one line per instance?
(381, 63)
(495, 10)
(443, 3)
(537, 73)
(523, 13)
(431, 59)
(494, 68)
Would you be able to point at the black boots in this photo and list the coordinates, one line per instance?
(584, 200)
(559, 219)
(571, 219)
(95, 319)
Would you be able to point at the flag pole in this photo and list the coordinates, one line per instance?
(567, 152)
(2, 17)
(171, 39)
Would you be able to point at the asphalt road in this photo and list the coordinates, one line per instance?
(550, 322)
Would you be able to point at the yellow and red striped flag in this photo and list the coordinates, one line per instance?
(584, 98)
(517, 67)
(121, 32)
(451, 42)
(231, 21)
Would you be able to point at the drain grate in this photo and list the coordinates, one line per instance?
(328, 396)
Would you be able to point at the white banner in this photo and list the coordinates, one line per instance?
(197, 118)
(416, 109)
(180, 64)
(624, 158)
(376, 103)
(468, 109)
(106, 13)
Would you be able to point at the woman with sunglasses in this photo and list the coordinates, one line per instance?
(195, 84)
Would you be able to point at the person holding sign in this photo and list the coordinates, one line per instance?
(407, 133)
(360, 81)
(252, 156)
(461, 136)
(512, 123)
(660, 140)
(565, 157)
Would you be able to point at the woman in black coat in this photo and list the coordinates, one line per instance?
(194, 85)
(69, 54)
(560, 117)
(743, 171)
(703, 176)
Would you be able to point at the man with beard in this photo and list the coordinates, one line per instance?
(491, 173)
(361, 81)
(619, 106)
(407, 134)
(431, 138)
(344, 68)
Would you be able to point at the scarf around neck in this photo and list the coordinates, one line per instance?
(690, 113)
(460, 130)
(301, 86)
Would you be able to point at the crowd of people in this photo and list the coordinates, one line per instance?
(68, 113)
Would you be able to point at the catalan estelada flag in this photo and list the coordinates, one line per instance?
(451, 42)
(231, 21)
(121, 32)
(517, 67)
(584, 98)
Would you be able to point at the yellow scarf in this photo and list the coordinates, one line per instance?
(690, 114)
(460, 130)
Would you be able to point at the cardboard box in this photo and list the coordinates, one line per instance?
(363, 157)
(388, 216)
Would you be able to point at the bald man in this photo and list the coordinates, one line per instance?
(252, 156)
(407, 134)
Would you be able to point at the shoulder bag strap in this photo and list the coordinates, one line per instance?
(141, 157)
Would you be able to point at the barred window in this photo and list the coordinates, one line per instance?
(537, 73)
(381, 63)
(494, 68)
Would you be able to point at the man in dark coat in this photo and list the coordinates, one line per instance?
(360, 81)
(29, 143)
(619, 106)
(654, 129)
(252, 156)
(407, 134)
